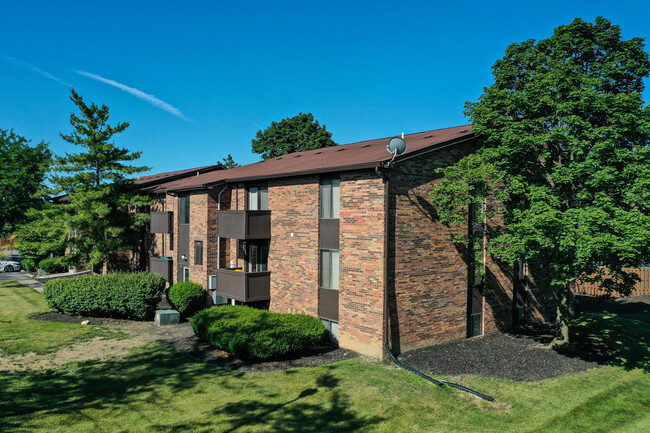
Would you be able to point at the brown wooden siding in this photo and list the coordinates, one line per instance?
(161, 266)
(244, 286)
(593, 289)
(239, 224)
(328, 304)
(161, 222)
(329, 234)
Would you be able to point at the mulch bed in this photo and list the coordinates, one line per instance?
(513, 356)
(181, 337)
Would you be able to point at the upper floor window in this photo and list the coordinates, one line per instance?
(184, 208)
(258, 197)
(198, 252)
(329, 269)
(330, 198)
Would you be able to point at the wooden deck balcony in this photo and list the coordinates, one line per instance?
(243, 286)
(244, 224)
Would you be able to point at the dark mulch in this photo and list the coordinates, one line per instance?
(505, 356)
(181, 337)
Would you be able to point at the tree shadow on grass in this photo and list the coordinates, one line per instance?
(101, 385)
(613, 339)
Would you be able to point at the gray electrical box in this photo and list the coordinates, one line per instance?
(166, 317)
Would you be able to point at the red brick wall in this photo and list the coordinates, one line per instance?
(428, 291)
(293, 260)
(361, 286)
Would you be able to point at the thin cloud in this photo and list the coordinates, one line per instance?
(138, 94)
(21, 64)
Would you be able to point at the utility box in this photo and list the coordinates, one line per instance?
(167, 317)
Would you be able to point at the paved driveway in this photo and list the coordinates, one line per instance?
(23, 278)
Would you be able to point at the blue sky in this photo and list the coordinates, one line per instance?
(197, 80)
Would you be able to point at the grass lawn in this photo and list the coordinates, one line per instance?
(158, 389)
(19, 335)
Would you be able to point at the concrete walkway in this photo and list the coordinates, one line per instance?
(22, 278)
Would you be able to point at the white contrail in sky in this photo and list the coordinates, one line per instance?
(16, 62)
(138, 94)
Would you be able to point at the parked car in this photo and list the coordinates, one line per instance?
(9, 266)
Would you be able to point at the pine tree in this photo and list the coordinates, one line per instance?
(104, 210)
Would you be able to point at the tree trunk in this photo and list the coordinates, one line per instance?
(562, 319)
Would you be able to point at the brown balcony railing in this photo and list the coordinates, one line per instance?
(161, 222)
(244, 224)
(244, 286)
(161, 266)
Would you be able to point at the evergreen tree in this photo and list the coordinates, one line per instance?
(104, 212)
(295, 134)
(565, 159)
(229, 162)
(22, 172)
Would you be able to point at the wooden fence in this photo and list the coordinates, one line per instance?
(642, 287)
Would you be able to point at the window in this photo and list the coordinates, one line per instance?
(198, 252)
(332, 329)
(184, 207)
(258, 197)
(186, 274)
(477, 269)
(329, 269)
(330, 198)
(171, 241)
(217, 300)
(258, 258)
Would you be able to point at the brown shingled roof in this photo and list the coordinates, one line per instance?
(364, 154)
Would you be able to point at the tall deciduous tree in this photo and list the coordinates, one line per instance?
(293, 134)
(565, 159)
(103, 211)
(22, 172)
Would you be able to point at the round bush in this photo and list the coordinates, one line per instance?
(51, 266)
(187, 297)
(249, 333)
(28, 265)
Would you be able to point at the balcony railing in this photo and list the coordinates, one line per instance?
(161, 266)
(244, 224)
(161, 222)
(243, 286)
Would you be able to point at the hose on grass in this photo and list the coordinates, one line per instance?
(441, 383)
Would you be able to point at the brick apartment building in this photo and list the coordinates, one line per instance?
(342, 234)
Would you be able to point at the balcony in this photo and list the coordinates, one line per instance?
(244, 286)
(161, 222)
(244, 224)
(161, 266)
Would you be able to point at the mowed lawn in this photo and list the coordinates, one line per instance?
(158, 389)
(20, 335)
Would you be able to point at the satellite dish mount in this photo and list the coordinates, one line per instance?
(396, 146)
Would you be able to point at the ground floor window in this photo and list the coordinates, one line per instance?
(332, 329)
(186, 274)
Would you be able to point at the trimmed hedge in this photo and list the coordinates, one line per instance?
(249, 333)
(187, 297)
(51, 266)
(118, 295)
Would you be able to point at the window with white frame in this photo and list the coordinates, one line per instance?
(330, 198)
(258, 197)
(329, 269)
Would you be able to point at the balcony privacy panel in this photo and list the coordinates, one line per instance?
(244, 286)
(329, 234)
(239, 224)
(161, 222)
(161, 266)
(328, 304)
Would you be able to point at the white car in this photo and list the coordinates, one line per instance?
(9, 266)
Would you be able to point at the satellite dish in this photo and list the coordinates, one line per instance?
(396, 146)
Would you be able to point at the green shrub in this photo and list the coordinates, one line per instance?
(119, 295)
(249, 333)
(28, 265)
(51, 266)
(187, 297)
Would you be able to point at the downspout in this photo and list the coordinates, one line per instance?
(441, 383)
(214, 293)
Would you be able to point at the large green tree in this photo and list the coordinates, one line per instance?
(564, 160)
(293, 134)
(22, 172)
(104, 210)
